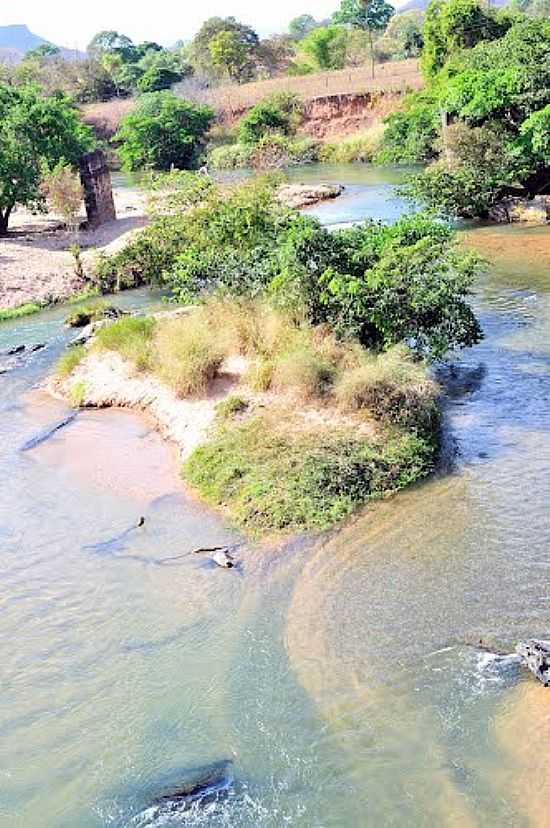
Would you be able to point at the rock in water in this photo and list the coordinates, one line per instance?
(535, 655)
(201, 784)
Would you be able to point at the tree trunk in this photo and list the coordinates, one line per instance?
(371, 44)
(5, 220)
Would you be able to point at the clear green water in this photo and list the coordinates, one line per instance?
(336, 673)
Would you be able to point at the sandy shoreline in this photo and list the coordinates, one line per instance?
(35, 263)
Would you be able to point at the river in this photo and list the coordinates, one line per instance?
(339, 674)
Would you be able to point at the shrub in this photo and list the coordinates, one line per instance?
(21, 310)
(274, 475)
(163, 131)
(69, 361)
(187, 356)
(228, 408)
(280, 113)
(303, 372)
(394, 388)
(362, 147)
(410, 135)
(229, 157)
(63, 192)
(260, 375)
(131, 337)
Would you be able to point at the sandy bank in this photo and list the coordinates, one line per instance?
(107, 381)
(35, 262)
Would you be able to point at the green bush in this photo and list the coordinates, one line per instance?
(394, 388)
(410, 135)
(303, 372)
(280, 113)
(228, 408)
(163, 131)
(229, 157)
(20, 310)
(274, 478)
(362, 147)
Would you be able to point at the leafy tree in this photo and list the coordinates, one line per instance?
(200, 55)
(35, 133)
(229, 55)
(157, 78)
(299, 27)
(453, 25)
(326, 45)
(403, 36)
(535, 134)
(371, 15)
(45, 50)
(163, 131)
(108, 41)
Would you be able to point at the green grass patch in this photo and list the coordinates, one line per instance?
(281, 479)
(131, 337)
(77, 394)
(231, 406)
(21, 310)
(69, 361)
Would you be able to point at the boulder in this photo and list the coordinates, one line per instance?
(305, 195)
(535, 654)
(522, 210)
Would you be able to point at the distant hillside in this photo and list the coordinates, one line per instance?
(17, 40)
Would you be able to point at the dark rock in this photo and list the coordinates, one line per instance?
(203, 784)
(535, 654)
(17, 350)
(98, 191)
(38, 347)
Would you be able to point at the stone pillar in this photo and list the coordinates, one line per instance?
(98, 191)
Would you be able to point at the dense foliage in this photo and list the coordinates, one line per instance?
(484, 117)
(36, 134)
(380, 284)
(163, 131)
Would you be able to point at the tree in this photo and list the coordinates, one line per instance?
(45, 50)
(229, 55)
(327, 46)
(157, 78)
(200, 55)
(453, 25)
(403, 36)
(108, 41)
(163, 131)
(371, 15)
(35, 132)
(301, 26)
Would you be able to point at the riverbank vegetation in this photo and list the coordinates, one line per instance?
(324, 339)
(483, 120)
(310, 426)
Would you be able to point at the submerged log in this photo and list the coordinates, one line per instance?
(535, 654)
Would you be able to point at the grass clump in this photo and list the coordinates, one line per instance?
(131, 337)
(77, 394)
(187, 356)
(231, 406)
(394, 387)
(361, 147)
(280, 478)
(69, 361)
(21, 310)
(85, 313)
(303, 372)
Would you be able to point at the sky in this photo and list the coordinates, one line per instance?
(72, 24)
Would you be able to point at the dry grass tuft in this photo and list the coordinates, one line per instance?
(187, 355)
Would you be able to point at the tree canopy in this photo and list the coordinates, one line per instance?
(35, 133)
(163, 131)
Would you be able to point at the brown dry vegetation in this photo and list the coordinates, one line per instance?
(395, 76)
(232, 100)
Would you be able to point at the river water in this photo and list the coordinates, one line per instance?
(339, 674)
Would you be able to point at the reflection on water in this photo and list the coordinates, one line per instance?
(340, 676)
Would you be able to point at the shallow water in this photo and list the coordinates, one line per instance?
(339, 674)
